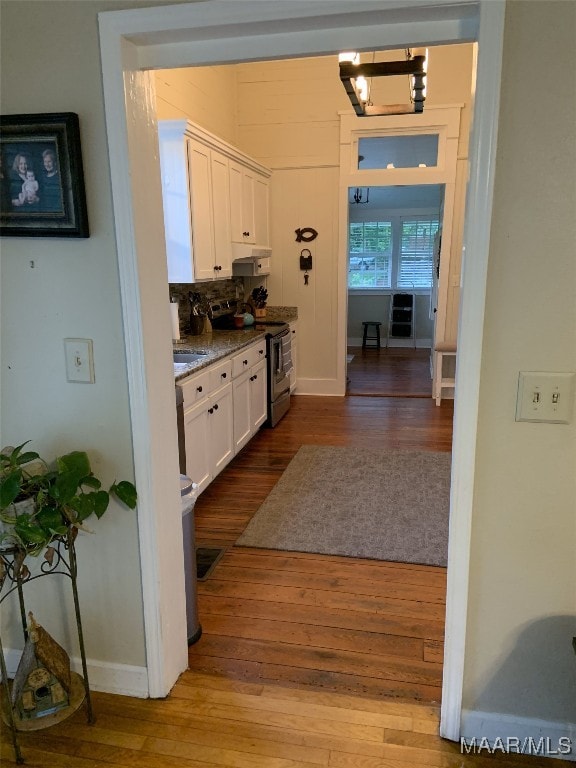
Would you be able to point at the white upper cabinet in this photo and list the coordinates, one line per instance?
(249, 201)
(213, 195)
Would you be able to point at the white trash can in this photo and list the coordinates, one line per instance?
(189, 494)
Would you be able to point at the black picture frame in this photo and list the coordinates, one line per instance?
(42, 195)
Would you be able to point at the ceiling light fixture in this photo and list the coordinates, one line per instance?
(357, 196)
(354, 76)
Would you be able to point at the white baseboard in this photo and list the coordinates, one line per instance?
(394, 343)
(491, 726)
(122, 679)
(326, 387)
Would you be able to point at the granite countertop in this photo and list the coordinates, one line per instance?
(220, 344)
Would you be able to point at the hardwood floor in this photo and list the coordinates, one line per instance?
(389, 372)
(214, 722)
(314, 661)
(324, 623)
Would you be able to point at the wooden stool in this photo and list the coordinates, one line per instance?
(365, 338)
(442, 349)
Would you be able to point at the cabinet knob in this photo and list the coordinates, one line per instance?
(246, 234)
(260, 351)
(255, 376)
(216, 407)
(223, 375)
(198, 389)
(210, 410)
(245, 362)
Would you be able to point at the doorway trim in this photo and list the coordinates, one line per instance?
(213, 32)
(441, 120)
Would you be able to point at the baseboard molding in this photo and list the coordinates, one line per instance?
(546, 734)
(394, 343)
(122, 679)
(326, 387)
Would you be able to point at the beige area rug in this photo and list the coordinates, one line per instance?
(358, 502)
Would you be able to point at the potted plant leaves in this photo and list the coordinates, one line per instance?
(41, 501)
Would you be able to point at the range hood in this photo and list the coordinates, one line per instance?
(250, 251)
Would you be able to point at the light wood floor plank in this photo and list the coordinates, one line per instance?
(425, 629)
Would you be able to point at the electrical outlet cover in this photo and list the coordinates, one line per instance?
(545, 396)
(79, 361)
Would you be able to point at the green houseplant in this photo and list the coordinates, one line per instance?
(41, 502)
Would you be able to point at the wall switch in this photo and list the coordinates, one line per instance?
(79, 360)
(545, 396)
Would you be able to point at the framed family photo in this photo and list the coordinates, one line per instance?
(41, 177)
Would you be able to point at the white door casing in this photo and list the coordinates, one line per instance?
(443, 120)
(201, 33)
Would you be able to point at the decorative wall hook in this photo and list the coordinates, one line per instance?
(306, 235)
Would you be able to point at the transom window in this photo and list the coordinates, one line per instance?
(397, 253)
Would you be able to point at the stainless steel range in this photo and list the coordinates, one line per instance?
(278, 352)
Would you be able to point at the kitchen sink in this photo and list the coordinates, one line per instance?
(188, 357)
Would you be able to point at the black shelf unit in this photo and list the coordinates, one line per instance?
(401, 320)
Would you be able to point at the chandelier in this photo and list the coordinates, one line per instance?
(354, 77)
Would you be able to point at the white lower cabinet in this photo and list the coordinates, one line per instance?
(224, 405)
(220, 429)
(258, 403)
(208, 422)
(249, 392)
(196, 439)
(241, 398)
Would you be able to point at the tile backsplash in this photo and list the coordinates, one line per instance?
(214, 291)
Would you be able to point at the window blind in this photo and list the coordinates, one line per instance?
(416, 252)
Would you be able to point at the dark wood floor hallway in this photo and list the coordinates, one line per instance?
(389, 372)
(310, 621)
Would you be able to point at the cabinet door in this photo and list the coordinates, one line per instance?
(235, 178)
(197, 444)
(241, 203)
(261, 208)
(258, 403)
(248, 233)
(201, 206)
(221, 216)
(221, 429)
(241, 392)
(176, 200)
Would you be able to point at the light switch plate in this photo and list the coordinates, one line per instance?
(79, 360)
(545, 396)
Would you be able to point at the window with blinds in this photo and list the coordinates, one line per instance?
(416, 253)
(397, 253)
(370, 254)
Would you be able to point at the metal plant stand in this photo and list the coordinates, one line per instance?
(59, 558)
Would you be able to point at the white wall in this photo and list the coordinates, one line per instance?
(522, 609)
(72, 291)
(205, 95)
